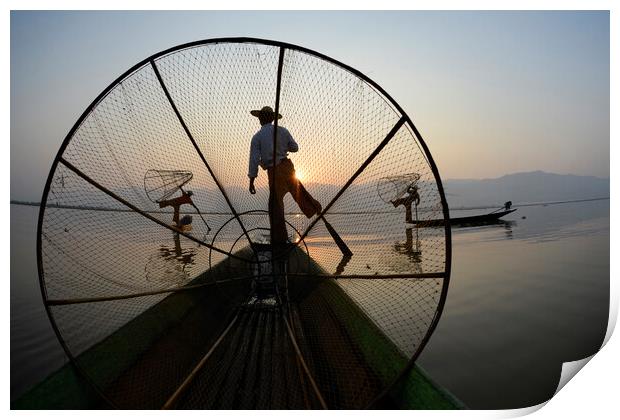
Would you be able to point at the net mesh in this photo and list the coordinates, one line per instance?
(392, 188)
(162, 184)
(216, 317)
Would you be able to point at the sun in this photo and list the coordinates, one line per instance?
(300, 175)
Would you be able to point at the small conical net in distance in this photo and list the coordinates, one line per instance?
(391, 188)
(161, 184)
(137, 304)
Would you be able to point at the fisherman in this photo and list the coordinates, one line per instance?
(282, 174)
(406, 201)
(176, 203)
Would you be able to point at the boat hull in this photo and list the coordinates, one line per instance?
(255, 366)
(480, 219)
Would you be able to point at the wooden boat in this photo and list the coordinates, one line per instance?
(254, 359)
(477, 220)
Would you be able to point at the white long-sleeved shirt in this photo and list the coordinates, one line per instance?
(261, 148)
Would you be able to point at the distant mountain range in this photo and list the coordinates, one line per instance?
(520, 188)
(524, 187)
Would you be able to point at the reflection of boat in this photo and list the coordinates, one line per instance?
(469, 220)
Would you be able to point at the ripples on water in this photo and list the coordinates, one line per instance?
(525, 295)
(35, 351)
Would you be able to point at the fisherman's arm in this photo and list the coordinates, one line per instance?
(252, 188)
(253, 164)
(292, 144)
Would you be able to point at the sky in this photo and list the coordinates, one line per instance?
(492, 93)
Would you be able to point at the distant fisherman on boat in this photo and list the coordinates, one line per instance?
(185, 198)
(412, 197)
(283, 174)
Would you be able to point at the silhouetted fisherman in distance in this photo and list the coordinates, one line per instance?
(283, 173)
(176, 203)
(412, 197)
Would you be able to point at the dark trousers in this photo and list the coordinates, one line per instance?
(285, 182)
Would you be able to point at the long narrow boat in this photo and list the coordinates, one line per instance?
(479, 219)
(254, 353)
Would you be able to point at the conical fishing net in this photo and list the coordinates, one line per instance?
(161, 184)
(392, 188)
(156, 315)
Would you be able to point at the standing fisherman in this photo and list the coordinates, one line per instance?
(176, 203)
(283, 173)
(412, 197)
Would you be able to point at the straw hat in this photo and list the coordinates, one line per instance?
(266, 111)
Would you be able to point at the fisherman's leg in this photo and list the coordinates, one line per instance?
(277, 220)
(308, 205)
(408, 215)
(175, 217)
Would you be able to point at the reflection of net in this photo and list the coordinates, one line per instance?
(393, 187)
(118, 301)
(161, 184)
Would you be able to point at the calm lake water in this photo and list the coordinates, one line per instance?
(525, 296)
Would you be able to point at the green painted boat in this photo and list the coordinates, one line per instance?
(254, 365)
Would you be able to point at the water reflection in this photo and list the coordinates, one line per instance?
(507, 226)
(554, 273)
(508, 229)
(407, 248)
(541, 223)
(343, 264)
(170, 266)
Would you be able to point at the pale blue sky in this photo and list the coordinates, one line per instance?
(491, 92)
